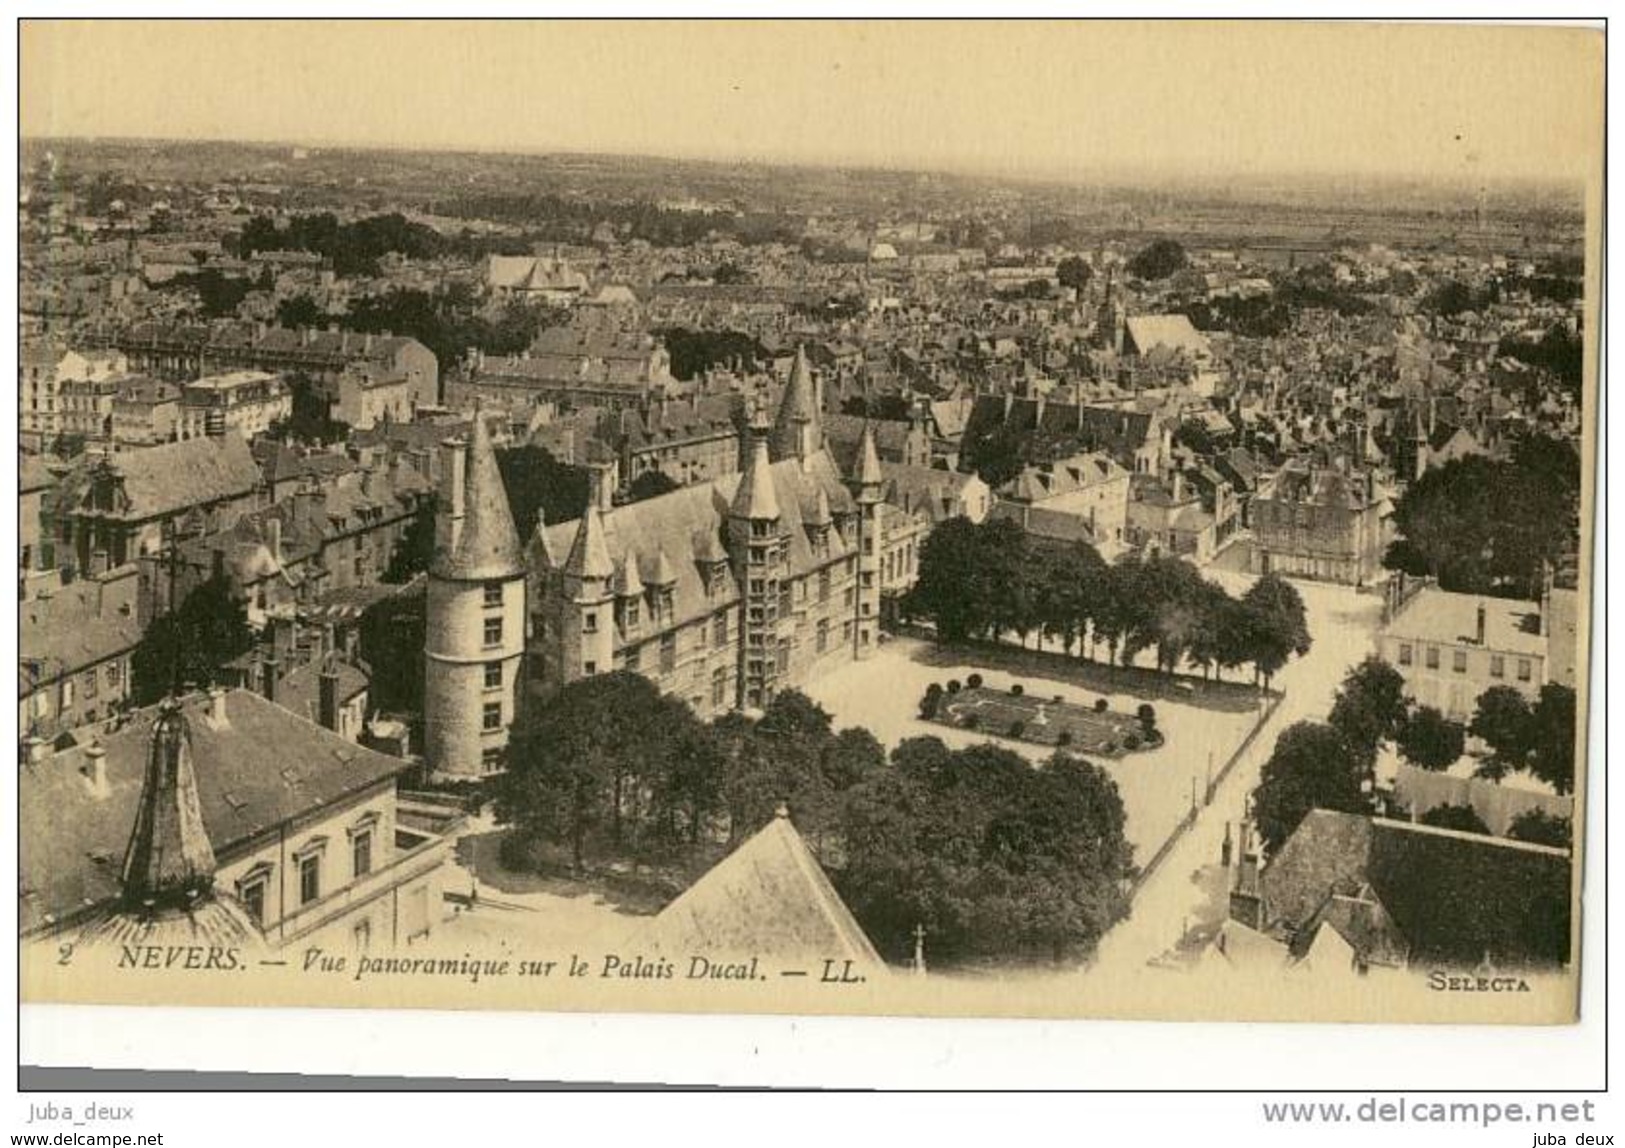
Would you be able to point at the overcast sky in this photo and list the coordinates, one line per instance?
(1021, 98)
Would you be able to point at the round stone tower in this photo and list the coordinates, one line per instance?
(475, 627)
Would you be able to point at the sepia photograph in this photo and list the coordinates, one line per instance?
(1057, 519)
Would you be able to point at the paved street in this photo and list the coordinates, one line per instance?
(1342, 623)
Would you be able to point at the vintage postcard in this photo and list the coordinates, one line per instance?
(1020, 519)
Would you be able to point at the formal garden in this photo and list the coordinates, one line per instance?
(1015, 713)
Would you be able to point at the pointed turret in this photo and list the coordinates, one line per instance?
(482, 544)
(869, 477)
(798, 431)
(170, 862)
(589, 554)
(755, 499)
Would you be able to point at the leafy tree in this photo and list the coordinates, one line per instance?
(651, 484)
(1504, 721)
(312, 420)
(1312, 767)
(996, 456)
(1553, 727)
(790, 755)
(1274, 623)
(1159, 260)
(537, 483)
(299, 311)
(1075, 272)
(415, 547)
(590, 759)
(1459, 817)
(693, 353)
(971, 577)
(1370, 707)
(187, 647)
(1541, 828)
(1480, 525)
(1429, 740)
(992, 857)
(392, 634)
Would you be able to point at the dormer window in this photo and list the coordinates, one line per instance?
(629, 613)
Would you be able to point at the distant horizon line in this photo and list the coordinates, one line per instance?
(1118, 174)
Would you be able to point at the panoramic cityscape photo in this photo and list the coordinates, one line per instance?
(739, 551)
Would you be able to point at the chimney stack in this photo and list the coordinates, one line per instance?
(35, 749)
(1483, 618)
(269, 670)
(217, 706)
(273, 538)
(328, 696)
(96, 768)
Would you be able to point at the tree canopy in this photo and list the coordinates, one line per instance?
(187, 647)
(1480, 525)
(985, 580)
(1370, 707)
(1429, 740)
(990, 855)
(538, 483)
(1158, 260)
(1312, 767)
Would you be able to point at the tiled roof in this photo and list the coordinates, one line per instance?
(263, 767)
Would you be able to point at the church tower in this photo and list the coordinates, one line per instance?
(798, 431)
(475, 632)
(757, 547)
(868, 487)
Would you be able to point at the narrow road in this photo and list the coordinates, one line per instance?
(1342, 624)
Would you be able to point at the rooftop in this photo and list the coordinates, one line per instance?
(1449, 619)
(259, 768)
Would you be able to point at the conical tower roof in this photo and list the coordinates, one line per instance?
(869, 474)
(755, 499)
(170, 862)
(589, 554)
(487, 546)
(798, 410)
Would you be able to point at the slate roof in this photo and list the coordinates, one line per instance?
(487, 543)
(263, 767)
(69, 631)
(1453, 898)
(768, 898)
(164, 479)
(688, 525)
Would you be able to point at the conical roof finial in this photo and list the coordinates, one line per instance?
(170, 862)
